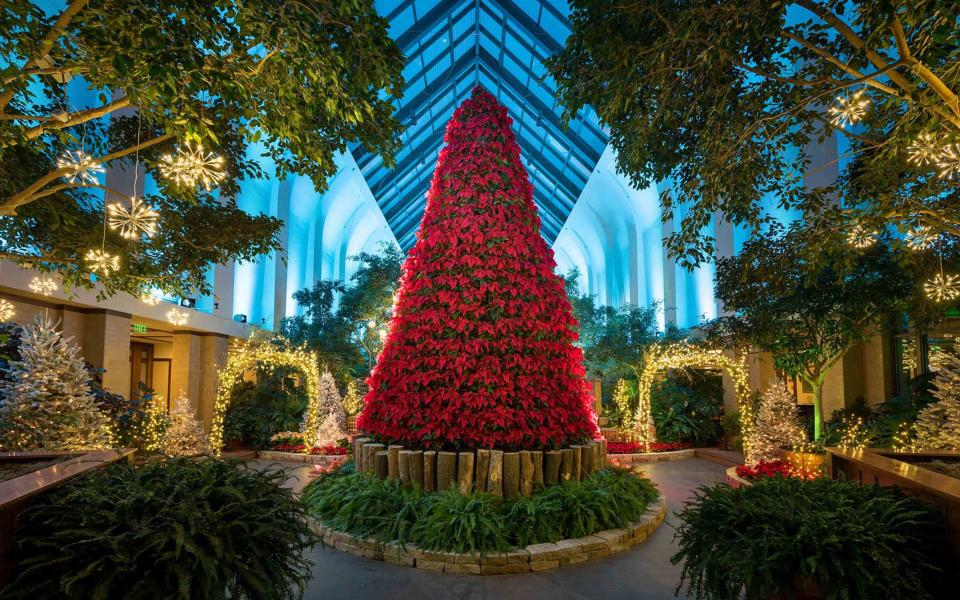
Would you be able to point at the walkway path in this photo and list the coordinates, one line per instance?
(643, 573)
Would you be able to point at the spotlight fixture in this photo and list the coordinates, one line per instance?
(188, 302)
(240, 318)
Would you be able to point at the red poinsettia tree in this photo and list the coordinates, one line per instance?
(480, 352)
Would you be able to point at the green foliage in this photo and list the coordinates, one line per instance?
(685, 414)
(852, 541)
(180, 528)
(730, 423)
(363, 505)
(293, 82)
(259, 410)
(335, 322)
(725, 100)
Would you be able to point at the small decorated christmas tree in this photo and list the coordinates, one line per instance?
(352, 402)
(46, 399)
(938, 425)
(183, 434)
(479, 351)
(776, 426)
(328, 413)
(622, 395)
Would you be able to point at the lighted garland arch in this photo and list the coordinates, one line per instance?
(239, 360)
(660, 357)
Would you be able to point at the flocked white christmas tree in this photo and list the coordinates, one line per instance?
(46, 404)
(938, 424)
(352, 402)
(328, 413)
(776, 425)
(183, 435)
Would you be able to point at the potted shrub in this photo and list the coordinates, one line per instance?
(794, 538)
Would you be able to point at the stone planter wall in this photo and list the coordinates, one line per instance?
(493, 471)
(533, 558)
(310, 459)
(649, 457)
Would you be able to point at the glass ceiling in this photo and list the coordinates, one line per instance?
(452, 45)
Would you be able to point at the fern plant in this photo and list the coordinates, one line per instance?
(181, 528)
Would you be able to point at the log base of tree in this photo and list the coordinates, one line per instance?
(502, 473)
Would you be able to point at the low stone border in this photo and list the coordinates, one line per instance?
(533, 558)
(313, 459)
(734, 480)
(648, 457)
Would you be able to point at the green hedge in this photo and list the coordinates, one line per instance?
(852, 541)
(180, 528)
(363, 505)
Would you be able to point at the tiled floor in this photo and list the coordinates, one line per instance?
(642, 573)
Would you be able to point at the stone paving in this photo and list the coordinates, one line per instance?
(642, 573)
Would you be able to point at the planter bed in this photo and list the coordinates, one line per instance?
(648, 457)
(299, 457)
(734, 480)
(533, 558)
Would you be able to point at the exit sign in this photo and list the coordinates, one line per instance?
(138, 328)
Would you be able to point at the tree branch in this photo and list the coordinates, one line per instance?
(78, 117)
(47, 43)
(868, 80)
(928, 76)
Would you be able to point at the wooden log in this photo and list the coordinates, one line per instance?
(576, 471)
(415, 461)
(495, 474)
(446, 470)
(358, 452)
(537, 457)
(483, 465)
(404, 468)
(551, 467)
(393, 464)
(465, 472)
(599, 461)
(604, 459)
(526, 473)
(370, 457)
(511, 474)
(566, 465)
(383, 460)
(430, 471)
(586, 460)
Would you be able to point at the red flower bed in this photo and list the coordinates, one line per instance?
(638, 448)
(766, 469)
(329, 450)
(479, 352)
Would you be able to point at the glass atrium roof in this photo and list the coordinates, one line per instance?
(451, 46)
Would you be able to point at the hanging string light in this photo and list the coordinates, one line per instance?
(101, 262)
(861, 237)
(45, 286)
(178, 317)
(131, 222)
(192, 166)
(920, 238)
(7, 310)
(82, 167)
(943, 287)
(849, 110)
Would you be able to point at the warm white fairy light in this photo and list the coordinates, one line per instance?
(948, 162)
(943, 287)
(920, 238)
(849, 110)
(861, 237)
(101, 262)
(81, 166)
(7, 310)
(925, 149)
(150, 299)
(43, 285)
(178, 317)
(133, 221)
(192, 166)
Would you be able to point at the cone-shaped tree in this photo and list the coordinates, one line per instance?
(480, 352)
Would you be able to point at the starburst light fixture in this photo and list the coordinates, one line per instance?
(42, 285)
(82, 167)
(150, 299)
(177, 317)
(925, 150)
(948, 161)
(131, 222)
(861, 237)
(7, 311)
(849, 110)
(920, 238)
(102, 262)
(943, 287)
(192, 166)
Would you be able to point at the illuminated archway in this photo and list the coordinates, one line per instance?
(238, 361)
(662, 357)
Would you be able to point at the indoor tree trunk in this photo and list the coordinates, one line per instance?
(817, 386)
